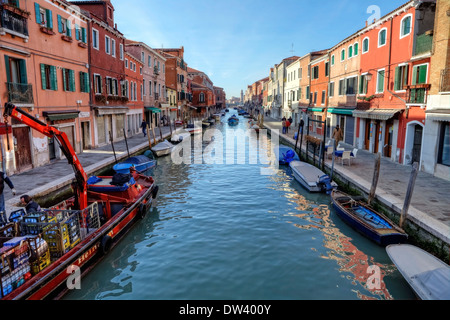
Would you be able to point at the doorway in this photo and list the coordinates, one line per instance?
(22, 149)
(417, 144)
(86, 136)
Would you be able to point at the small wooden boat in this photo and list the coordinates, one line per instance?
(163, 148)
(141, 163)
(285, 154)
(367, 221)
(311, 178)
(233, 120)
(428, 276)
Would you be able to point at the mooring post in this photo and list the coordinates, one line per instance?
(409, 192)
(376, 174)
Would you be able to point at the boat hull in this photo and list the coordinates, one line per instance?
(384, 234)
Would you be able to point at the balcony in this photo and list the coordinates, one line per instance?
(424, 43)
(417, 94)
(19, 92)
(13, 20)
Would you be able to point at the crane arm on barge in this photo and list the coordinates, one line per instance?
(80, 175)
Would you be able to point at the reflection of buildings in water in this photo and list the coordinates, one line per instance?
(349, 258)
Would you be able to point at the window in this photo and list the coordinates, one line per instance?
(111, 86)
(150, 88)
(342, 87)
(80, 33)
(419, 74)
(126, 63)
(84, 82)
(43, 16)
(202, 97)
(327, 69)
(342, 54)
(351, 85)
(143, 88)
(382, 37)
(315, 97)
(16, 70)
(444, 144)
(149, 61)
(355, 49)
(405, 26)
(95, 39)
(121, 51)
(401, 78)
(365, 45)
(125, 91)
(142, 56)
(331, 89)
(323, 97)
(64, 26)
(332, 60)
(350, 52)
(113, 47)
(380, 81)
(97, 84)
(48, 77)
(68, 80)
(308, 93)
(363, 83)
(107, 45)
(315, 72)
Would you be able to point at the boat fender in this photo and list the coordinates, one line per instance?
(155, 192)
(142, 211)
(106, 244)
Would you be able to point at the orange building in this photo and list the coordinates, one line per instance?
(133, 90)
(45, 55)
(319, 74)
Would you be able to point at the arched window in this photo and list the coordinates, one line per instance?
(365, 46)
(382, 37)
(202, 97)
(405, 26)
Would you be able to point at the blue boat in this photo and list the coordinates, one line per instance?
(367, 221)
(233, 120)
(141, 163)
(285, 154)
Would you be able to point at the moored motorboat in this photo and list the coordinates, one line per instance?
(140, 162)
(311, 178)
(427, 275)
(179, 136)
(163, 148)
(366, 220)
(233, 120)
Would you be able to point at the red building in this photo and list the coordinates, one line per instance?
(107, 71)
(133, 91)
(394, 81)
(203, 97)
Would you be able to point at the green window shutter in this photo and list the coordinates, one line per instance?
(69, 28)
(422, 74)
(414, 75)
(49, 19)
(77, 32)
(361, 83)
(43, 77)
(8, 71)
(72, 80)
(23, 71)
(53, 78)
(37, 11)
(83, 35)
(380, 84)
(60, 25)
(64, 80)
(397, 79)
(355, 49)
(81, 75)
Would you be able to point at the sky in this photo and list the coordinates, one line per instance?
(236, 42)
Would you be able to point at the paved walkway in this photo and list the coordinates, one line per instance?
(430, 203)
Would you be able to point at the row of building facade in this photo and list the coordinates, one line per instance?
(68, 65)
(386, 85)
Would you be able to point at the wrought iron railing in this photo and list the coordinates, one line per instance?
(14, 22)
(445, 81)
(20, 92)
(417, 94)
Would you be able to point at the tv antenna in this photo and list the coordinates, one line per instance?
(292, 49)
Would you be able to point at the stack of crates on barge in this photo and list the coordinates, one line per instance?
(40, 254)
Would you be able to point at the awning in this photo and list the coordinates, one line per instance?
(103, 110)
(173, 109)
(316, 109)
(165, 105)
(153, 109)
(345, 111)
(438, 115)
(376, 114)
(61, 115)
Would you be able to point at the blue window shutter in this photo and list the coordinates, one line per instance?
(60, 25)
(72, 80)
(77, 32)
(23, 71)
(69, 28)
(8, 72)
(53, 78)
(49, 19)
(43, 77)
(37, 10)
(64, 80)
(83, 35)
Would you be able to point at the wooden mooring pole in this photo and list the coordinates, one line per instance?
(376, 174)
(409, 192)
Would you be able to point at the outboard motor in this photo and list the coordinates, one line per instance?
(325, 184)
(289, 156)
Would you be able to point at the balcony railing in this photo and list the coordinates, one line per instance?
(424, 43)
(417, 94)
(13, 21)
(445, 81)
(20, 93)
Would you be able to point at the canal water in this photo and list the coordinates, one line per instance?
(222, 231)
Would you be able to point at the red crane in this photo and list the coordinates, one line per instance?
(80, 175)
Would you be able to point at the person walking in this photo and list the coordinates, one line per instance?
(288, 124)
(283, 124)
(301, 124)
(337, 135)
(4, 178)
(144, 127)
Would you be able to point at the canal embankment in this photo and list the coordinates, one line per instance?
(428, 217)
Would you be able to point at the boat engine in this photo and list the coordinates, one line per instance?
(325, 184)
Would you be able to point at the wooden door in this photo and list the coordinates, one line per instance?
(367, 135)
(22, 149)
(388, 138)
(377, 135)
(417, 145)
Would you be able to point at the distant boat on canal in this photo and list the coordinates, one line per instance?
(233, 120)
(367, 221)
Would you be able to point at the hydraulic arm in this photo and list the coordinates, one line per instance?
(80, 175)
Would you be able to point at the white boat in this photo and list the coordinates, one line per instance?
(311, 178)
(163, 148)
(428, 276)
(177, 137)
